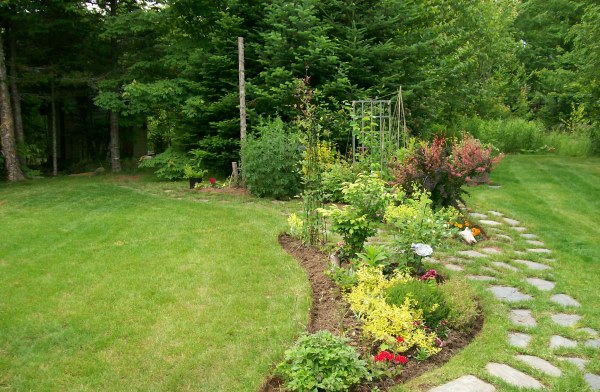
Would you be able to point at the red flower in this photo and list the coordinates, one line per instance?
(212, 180)
(401, 359)
(399, 339)
(384, 356)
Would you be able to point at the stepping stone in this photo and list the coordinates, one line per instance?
(522, 317)
(491, 251)
(509, 294)
(593, 343)
(502, 264)
(566, 320)
(513, 376)
(511, 222)
(533, 265)
(494, 186)
(454, 267)
(540, 364)
(520, 253)
(560, 342)
(496, 213)
(535, 242)
(589, 331)
(477, 215)
(541, 284)
(471, 253)
(529, 236)
(465, 384)
(504, 237)
(517, 339)
(432, 260)
(489, 222)
(490, 270)
(483, 278)
(564, 300)
(549, 260)
(579, 362)
(593, 381)
(519, 229)
(539, 250)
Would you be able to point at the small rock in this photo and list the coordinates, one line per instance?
(560, 342)
(513, 376)
(496, 213)
(540, 364)
(491, 251)
(517, 339)
(579, 362)
(564, 300)
(489, 222)
(541, 284)
(593, 343)
(535, 242)
(477, 215)
(593, 381)
(519, 229)
(465, 384)
(454, 267)
(539, 250)
(529, 236)
(533, 265)
(511, 222)
(504, 237)
(471, 253)
(566, 320)
(522, 317)
(589, 331)
(502, 264)
(509, 294)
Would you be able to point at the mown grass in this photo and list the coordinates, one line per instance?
(109, 284)
(557, 199)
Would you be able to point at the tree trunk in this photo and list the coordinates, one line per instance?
(15, 97)
(115, 155)
(54, 132)
(7, 135)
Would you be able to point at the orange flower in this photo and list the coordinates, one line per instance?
(475, 231)
(467, 224)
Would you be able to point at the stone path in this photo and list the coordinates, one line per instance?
(531, 263)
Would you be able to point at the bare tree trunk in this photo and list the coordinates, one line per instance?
(15, 97)
(7, 135)
(54, 132)
(115, 154)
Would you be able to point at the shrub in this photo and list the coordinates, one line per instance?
(462, 304)
(368, 195)
(271, 161)
(352, 225)
(426, 296)
(169, 165)
(333, 179)
(508, 135)
(322, 362)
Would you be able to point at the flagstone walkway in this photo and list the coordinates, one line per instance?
(533, 266)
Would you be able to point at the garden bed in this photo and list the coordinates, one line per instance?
(329, 311)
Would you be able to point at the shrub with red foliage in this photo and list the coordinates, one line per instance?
(443, 168)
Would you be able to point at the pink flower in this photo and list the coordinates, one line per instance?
(440, 342)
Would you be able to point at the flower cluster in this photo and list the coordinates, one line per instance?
(388, 356)
(431, 274)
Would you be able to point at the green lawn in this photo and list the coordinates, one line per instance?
(558, 199)
(110, 285)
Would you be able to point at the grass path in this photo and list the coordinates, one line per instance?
(113, 286)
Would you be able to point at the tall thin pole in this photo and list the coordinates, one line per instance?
(242, 88)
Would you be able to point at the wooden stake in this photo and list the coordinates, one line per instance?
(242, 88)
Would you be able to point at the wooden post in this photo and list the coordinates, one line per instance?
(242, 88)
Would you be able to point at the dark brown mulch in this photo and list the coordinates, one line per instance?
(330, 312)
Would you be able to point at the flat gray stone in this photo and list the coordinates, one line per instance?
(509, 294)
(579, 362)
(518, 339)
(541, 284)
(529, 236)
(477, 215)
(487, 222)
(566, 320)
(494, 186)
(540, 364)
(535, 242)
(519, 252)
(465, 384)
(495, 213)
(522, 317)
(504, 237)
(564, 300)
(502, 264)
(593, 381)
(533, 265)
(593, 343)
(454, 267)
(471, 253)
(511, 222)
(589, 331)
(519, 229)
(549, 260)
(513, 376)
(491, 251)
(539, 250)
(560, 342)
(483, 278)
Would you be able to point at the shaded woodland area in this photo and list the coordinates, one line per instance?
(99, 83)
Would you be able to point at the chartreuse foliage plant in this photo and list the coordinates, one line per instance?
(426, 296)
(322, 362)
(397, 327)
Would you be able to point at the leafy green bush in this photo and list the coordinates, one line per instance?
(462, 304)
(169, 165)
(508, 135)
(368, 194)
(322, 362)
(352, 225)
(429, 298)
(272, 161)
(333, 179)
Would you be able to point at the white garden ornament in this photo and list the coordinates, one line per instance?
(422, 250)
(468, 236)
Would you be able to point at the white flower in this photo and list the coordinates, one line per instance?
(422, 250)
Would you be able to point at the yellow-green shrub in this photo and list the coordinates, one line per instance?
(462, 302)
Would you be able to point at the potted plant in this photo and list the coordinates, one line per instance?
(194, 174)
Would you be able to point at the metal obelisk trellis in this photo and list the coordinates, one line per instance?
(378, 129)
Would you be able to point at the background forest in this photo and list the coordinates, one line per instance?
(90, 82)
